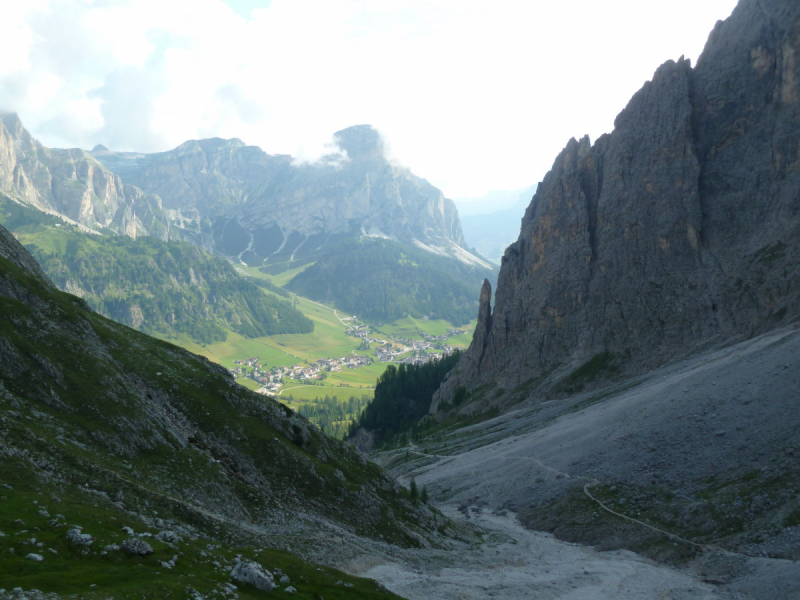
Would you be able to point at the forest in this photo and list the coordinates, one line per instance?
(402, 397)
(383, 280)
(333, 416)
(152, 285)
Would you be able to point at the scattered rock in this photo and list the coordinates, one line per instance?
(285, 579)
(168, 536)
(254, 574)
(290, 590)
(137, 546)
(35, 557)
(75, 536)
(170, 563)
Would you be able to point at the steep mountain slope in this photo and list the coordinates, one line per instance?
(693, 464)
(149, 432)
(154, 286)
(383, 280)
(677, 231)
(73, 184)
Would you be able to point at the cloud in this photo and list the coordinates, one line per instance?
(473, 95)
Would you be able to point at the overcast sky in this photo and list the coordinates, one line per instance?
(472, 95)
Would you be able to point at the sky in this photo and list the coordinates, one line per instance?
(473, 95)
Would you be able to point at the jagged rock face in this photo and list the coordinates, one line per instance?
(72, 184)
(263, 206)
(677, 230)
(232, 198)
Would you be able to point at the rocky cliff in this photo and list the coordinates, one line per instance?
(267, 207)
(235, 199)
(73, 184)
(678, 230)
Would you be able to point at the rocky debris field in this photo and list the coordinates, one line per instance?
(693, 465)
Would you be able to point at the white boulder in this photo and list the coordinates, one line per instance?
(253, 573)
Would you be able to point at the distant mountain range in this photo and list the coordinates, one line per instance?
(232, 198)
(238, 202)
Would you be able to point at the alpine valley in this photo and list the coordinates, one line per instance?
(623, 423)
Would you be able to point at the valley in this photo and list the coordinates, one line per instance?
(233, 373)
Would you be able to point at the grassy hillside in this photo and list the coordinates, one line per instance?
(380, 279)
(152, 285)
(127, 430)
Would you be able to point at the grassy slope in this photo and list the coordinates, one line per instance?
(144, 422)
(328, 340)
(385, 280)
(152, 285)
(68, 570)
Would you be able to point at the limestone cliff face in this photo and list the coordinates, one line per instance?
(71, 183)
(261, 206)
(232, 198)
(677, 230)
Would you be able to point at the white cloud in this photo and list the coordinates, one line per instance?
(473, 95)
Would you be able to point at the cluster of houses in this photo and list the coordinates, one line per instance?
(273, 379)
(403, 350)
(420, 358)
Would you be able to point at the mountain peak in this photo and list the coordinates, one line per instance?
(361, 142)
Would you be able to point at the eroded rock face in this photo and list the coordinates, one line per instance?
(73, 184)
(262, 205)
(677, 230)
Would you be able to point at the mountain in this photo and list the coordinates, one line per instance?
(676, 232)
(244, 203)
(136, 466)
(149, 284)
(383, 280)
(491, 232)
(71, 183)
(237, 201)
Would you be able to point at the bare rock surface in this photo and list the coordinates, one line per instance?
(693, 464)
(513, 562)
(254, 574)
(678, 231)
(137, 546)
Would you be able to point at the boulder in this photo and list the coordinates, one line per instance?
(79, 539)
(254, 574)
(137, 546)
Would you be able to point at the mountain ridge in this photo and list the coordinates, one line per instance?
(675, 232)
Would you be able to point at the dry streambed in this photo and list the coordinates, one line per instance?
(513, 562)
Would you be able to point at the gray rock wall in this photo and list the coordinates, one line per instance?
(678, 230)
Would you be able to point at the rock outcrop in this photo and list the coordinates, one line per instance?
(678, 230)
(263, 206)
(71, 183)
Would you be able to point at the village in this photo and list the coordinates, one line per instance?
(396, 349)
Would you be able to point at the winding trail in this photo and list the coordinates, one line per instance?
(590, 483)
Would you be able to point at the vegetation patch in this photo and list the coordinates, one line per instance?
(601, 365)
(402, 397)
(383, 280)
